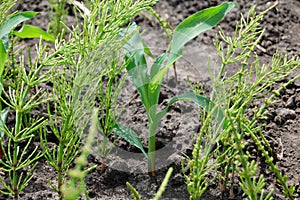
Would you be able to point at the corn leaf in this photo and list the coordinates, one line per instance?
(3, 58)
(189, 29)
(11, 23)
(137, 68)
(194, 25)
(29, 31)
(129, 135)
(206, 103)
(3, 116)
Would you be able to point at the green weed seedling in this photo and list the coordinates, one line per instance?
(148, 85)
(58, 16)
(91, 55)
(230, 160)
(17, 97)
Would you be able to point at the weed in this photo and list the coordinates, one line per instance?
(90, 54)
(225, 151)
(20, 98)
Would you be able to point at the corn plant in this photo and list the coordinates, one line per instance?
(148, 85)
(224, 151)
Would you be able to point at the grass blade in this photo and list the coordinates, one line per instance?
(137, 68)
(194, 25)
(189, 29)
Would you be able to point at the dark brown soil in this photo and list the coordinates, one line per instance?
(175, 134)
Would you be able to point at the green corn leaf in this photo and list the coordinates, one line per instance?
(157, 65)
(3, 117)
(147, 50)
(196, 24)
(137, 68)
(11, 23)
(130, 136)
(189, 29)
(3, 58)
(29, 31)
(201, 101)
(154, 91)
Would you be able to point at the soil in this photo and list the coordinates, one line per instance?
(177, 130)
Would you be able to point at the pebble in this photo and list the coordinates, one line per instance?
(290, 103)
(284, 114)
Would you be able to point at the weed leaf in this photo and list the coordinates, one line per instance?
(28, 31)
(129, 135)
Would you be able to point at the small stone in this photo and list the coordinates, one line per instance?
(291, 102)
(284, 114)
(297, 82)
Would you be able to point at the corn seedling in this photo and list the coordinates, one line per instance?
(234, 96)
(148, 85)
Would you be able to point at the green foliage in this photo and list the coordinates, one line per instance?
(58, 16)
(92, 54)
(17, 153)
(224, 150)
(73, 189)
(29, 31)
(148, 86)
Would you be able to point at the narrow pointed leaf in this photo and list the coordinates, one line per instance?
(157, 64)
(12, 22)
(201, 101)
(137, 68)
(3, 117)
(130, 136)
(28, 31)
(3, 58)
(147, 50)
(189, 29)
(196, 24)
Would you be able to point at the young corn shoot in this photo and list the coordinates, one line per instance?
(148, 84)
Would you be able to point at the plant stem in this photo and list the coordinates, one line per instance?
(15, 154)
(59, 171)
(151, 147)
(14, 167)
